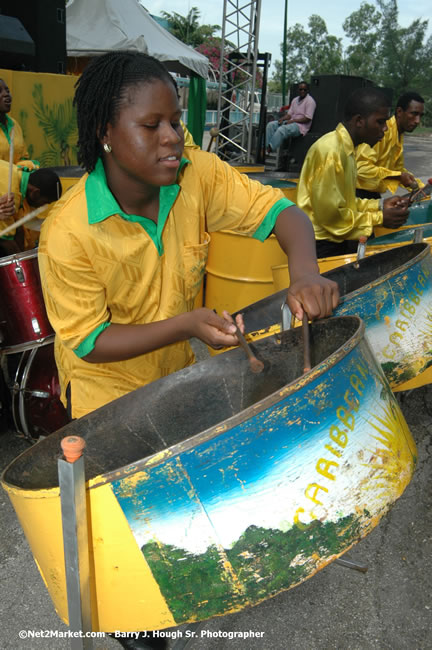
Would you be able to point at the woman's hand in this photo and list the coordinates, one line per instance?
(315, 295)
(214, 330)
(7, 205)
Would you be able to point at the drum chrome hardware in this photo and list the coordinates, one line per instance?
(35, 391)
(287, 318)
(19, 273)
(361, 250)
(418, 236)
(35, 325)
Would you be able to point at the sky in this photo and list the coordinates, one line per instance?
(272, 15)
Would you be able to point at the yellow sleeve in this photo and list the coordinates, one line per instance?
(20, 149)
(231, 200)
(75, 298)
(370, 175)
(4, 180)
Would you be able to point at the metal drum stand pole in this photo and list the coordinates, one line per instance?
(75, 540)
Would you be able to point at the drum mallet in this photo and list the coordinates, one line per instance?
(214, 132)
(11, 157)
(75, 540)
(28, 217)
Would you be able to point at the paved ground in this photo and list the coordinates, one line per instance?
(389, 607)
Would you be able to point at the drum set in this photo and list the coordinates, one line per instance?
(32, 394)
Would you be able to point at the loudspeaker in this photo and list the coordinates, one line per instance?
(292, 157)
(330, 91)
(17, 48)
(45, 21)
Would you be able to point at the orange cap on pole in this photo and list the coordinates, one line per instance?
(72, 447)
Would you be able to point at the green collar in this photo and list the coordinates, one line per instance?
(25, 175)
(6, 128)
(101, 204)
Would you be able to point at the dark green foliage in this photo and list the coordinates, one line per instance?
(256, 567)
(379, 49)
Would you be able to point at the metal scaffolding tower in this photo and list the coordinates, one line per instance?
(237, 77)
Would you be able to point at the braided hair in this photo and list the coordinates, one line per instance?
(102, 89)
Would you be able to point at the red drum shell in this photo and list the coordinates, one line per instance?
(36, 406)
(23, 317)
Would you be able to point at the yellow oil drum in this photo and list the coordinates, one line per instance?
(285, 181)
(239, 270)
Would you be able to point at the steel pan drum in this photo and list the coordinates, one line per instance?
(215, 488)
(392, 292)
(420, 213)
(246, 168)
(281, 278)
(23, 317)
(401, 237)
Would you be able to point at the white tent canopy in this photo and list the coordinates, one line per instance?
(94, 27)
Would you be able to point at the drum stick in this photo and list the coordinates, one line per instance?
(306, 343)
(255, 364)
(20, 222)
(11, 157)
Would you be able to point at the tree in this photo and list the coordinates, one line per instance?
(406, 57)
(363, 28)
(312, 51)
(187, 28)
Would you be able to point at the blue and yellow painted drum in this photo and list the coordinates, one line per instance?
(216, 488)
(392, 292)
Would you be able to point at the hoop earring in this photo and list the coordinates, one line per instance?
(107, 148)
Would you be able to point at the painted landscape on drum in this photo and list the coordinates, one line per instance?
(262, 506)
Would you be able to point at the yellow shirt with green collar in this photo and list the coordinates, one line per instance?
(20, 150)
(99, 265)
(20, 179)
(19, 188)
(376, 164)
(327, 190)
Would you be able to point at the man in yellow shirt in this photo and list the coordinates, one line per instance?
(381, 167)
(327, 186)
(29, 190)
